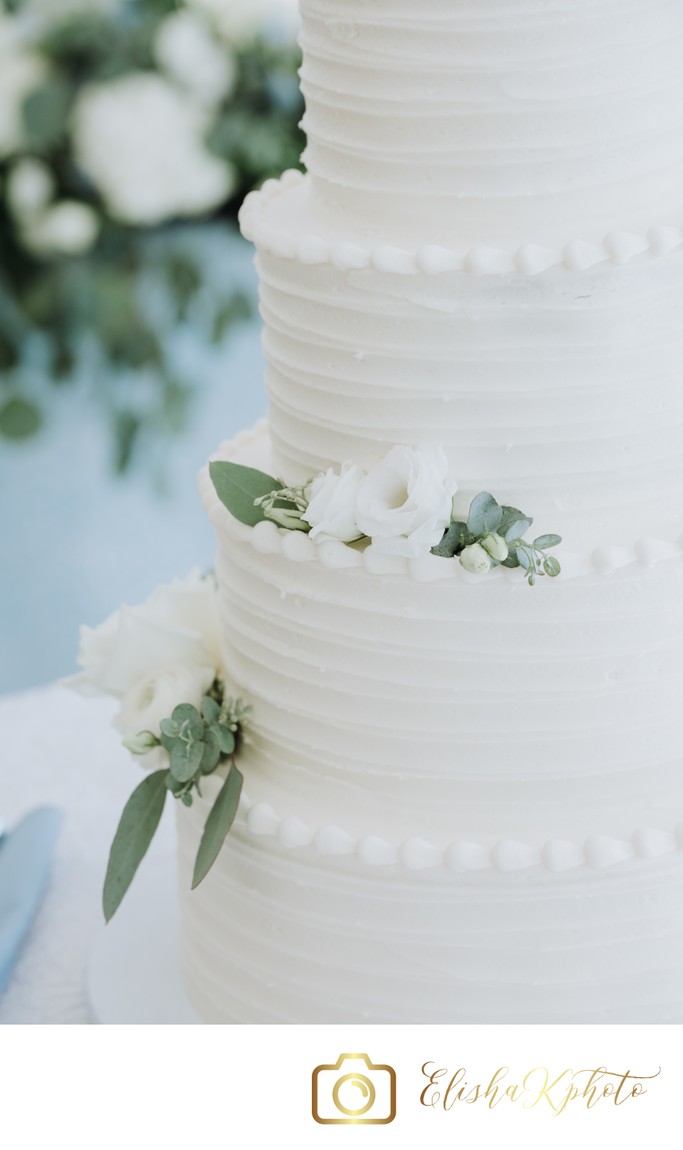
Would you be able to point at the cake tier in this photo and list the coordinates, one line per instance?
(463, 796)
(409, 701)
(494, 121)
(558, 391)
(284, 934)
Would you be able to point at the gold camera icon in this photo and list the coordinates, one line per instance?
(354, 1091)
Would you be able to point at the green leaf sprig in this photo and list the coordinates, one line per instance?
(197, 743)
(252, 496)
(493, 535)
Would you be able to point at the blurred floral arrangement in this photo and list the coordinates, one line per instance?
(124, 123)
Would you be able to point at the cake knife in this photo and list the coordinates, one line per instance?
(25, 861)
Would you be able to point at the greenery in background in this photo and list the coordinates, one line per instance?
(87, 273)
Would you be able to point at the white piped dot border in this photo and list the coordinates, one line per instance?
(617, 247)
(460, 857)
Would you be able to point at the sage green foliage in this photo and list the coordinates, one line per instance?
(218, 823)
(252, 496)
(135, 832)
(239, 487)
(197, 743)
(139, 385)
(497, 528)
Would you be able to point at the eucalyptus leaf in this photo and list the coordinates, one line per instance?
(510, 515)
(454, 538)
(518, 529)
(484, 514)
(211, 753)
(188, 718)
(218, 823)
(545, 541)
(511, 561)
(226, 738)
(210, 710)
(237, 487)
(185, 759)
(169, 728)
(523, 558)
(551, 566)
(135, 832)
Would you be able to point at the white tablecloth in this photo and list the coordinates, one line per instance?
(57, 747)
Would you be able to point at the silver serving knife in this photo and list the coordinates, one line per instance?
(26, 855)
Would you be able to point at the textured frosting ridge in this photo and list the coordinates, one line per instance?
(495, 707)
(463, 797)
(280, 934)
(496, 120)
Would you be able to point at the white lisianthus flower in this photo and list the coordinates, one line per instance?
(186, 50)
(29, 189)
(156, 697)
(140, 140)
(177, 627)
(21, 71)
(331, 511)
(240, 21)
(69, 228)
(475, 559)
(404, 503)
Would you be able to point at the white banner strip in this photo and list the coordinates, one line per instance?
(200, 1087)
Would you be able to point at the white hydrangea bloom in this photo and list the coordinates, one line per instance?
(140, 140)
(185, 48)
(21, 71)
(239, 21)
(30, 187)
(68, 229)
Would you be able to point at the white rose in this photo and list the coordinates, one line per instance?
(404, 503)
(140, 140)
(475, 559)
(155, 698)
(185, 48)
(69, 228)
(29, 189)
(177, 627)
(331, 511)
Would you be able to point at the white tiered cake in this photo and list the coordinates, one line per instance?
(464, 796)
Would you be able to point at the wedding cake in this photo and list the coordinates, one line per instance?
(463, 796)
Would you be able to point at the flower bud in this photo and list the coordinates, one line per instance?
(495, 545)
(141, 743)
(475, 559)
(289, 517)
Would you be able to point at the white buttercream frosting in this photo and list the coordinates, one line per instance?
(559, 392)
(463, 797)
(497, 121)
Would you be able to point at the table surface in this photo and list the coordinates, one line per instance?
(58, 747)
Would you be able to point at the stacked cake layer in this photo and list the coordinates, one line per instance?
(464, 796)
